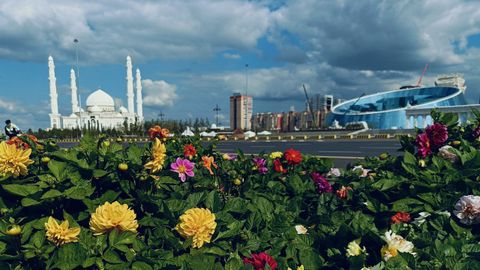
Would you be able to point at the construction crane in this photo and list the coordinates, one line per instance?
(421, 77)
(309, 106)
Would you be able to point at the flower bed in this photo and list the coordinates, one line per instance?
(172, 204)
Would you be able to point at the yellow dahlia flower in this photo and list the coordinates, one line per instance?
(158, 157)
(13, 161)
(61, 234)
(298, 268)
(111, 216)
(275, 155)
(198, 223)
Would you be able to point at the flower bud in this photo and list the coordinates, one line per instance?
(13, 230)
(422, 163)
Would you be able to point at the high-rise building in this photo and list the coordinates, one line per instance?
(321, 103)
(241, 108)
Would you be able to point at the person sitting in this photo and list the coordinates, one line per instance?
(11, 130)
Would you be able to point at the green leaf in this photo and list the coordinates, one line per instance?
(3, 247)
(69, 256)
(408, 158)
(38, 238)
(310, 259)
(386, 184)
(112, 257)
(99, 173)
(194, 199)
(141, 266)
(296, 184)
(79, 192)
(213, 201)
(234, 262)
(58, 169)
(26, 202)
(233, 229)
(21, 190)
(120, 238)
(52, 193)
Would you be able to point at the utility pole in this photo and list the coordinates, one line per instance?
(216, 110)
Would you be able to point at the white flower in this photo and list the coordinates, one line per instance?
(395, 243)
(445, 153)
(364, 171)
(467, 209)
(354, 249)
(301, 229)
(421, 219)
(334, 172)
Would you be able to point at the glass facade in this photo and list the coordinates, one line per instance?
(387, 110)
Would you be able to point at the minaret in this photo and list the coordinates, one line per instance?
(54, 115)
(73, 86)
(130, 94)
(139, 95)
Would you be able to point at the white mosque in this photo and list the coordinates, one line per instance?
(100, 110)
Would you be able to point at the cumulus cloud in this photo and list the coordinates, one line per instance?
(373, 35)
(158, 93)
(109, 30)
(10, 106)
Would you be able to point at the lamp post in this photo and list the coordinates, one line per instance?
(216, 110)
(246, 97)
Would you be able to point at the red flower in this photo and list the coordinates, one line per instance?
(260, 260)
(401, 217)
(438, 134)
(423, 144)
(278, 167)
(293, 157)
(189, 151)
(158, 132)
(342, 193)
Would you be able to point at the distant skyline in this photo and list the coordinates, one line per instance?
(192, 54)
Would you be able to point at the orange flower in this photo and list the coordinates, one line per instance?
(189, 151)
(158, 132)
(342, 193)
(19, 143)
(208, 162)
(400, 217)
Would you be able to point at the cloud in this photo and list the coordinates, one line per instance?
(158, 93)
(144, 29)
(8, 106)
(234, 56)
(373, 35)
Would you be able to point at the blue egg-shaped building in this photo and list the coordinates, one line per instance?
(387, 110)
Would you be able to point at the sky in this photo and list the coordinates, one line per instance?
(194, 54)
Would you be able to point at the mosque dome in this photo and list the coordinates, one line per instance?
(123, 110)
(100, 101)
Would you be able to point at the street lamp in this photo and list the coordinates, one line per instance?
(246, 97)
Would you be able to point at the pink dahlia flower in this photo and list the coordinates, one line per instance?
(322, 184)
(423, 144)
(467, 209)
(438, 135)
(183, 167)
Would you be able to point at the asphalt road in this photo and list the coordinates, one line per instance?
(341, 151)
